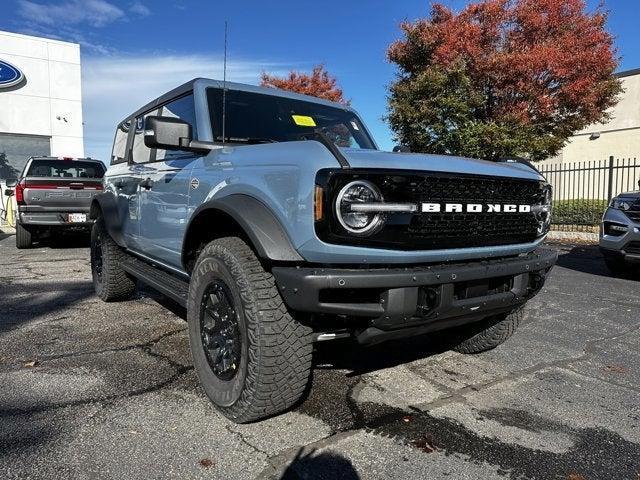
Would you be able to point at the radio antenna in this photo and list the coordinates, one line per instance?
(224, 86)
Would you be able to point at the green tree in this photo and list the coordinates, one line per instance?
(502, 78)
(7, 172)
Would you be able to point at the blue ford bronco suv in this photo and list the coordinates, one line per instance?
(276, 221)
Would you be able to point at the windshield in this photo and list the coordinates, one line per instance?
(52, 168)
(257, 118)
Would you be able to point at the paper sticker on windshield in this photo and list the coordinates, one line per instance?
(354, 125)
(303, 121)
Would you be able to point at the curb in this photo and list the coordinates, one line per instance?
(580, 237)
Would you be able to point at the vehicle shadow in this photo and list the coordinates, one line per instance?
(586, 259)
(16, 308)
(310, 464)
(68, 240)
(362, 359)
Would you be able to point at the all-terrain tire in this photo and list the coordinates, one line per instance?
(275, 358)
(110, 281)
(488, 333)
(24, 237)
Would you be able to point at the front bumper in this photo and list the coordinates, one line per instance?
(427, 297)
(622, 246)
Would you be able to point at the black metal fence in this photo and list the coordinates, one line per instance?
(582, 190)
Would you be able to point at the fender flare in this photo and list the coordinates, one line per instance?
(105, 204)
(257, 221)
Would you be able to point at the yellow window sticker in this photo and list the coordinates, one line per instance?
(303, 121)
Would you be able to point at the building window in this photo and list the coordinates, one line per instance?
(15, 150)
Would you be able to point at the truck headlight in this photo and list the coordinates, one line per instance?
(356, 222)
(542, 211)
(623, 204)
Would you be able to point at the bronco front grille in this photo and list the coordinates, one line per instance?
(474, 229)
(425, 231)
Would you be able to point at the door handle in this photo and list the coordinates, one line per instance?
(146, 183)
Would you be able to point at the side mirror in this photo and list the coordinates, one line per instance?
(8, 192)
(401, 149)
(167, 133)
(11, 183)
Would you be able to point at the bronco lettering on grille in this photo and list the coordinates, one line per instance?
(474, 208)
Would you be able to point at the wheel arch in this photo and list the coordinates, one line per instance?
(243, 216)
(104, 205)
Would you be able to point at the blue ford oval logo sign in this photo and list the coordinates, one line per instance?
(10, 76)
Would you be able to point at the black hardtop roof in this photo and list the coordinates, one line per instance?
(189, 86)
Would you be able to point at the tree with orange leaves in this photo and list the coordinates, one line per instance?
(319, 83)
(502, 78)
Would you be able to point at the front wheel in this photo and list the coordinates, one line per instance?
(486, 334)
(252, 358)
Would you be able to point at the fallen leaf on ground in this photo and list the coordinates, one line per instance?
(206, 463)
(615, 369)
(31, 364)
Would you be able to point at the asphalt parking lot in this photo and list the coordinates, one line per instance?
(89, 389)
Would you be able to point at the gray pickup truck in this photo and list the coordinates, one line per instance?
(54, 194)
(279, 223)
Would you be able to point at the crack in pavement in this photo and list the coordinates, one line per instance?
(109, 399)
(588, 346)
(241, 437)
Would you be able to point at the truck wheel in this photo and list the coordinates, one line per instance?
(252, 358)
(617, 266)
(24, 237)
(488, 333)
(110, 281)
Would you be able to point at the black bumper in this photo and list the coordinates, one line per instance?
(427, 296)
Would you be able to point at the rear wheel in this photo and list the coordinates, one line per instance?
(252, 358)
(24, 236)
(110, 281)
(486, 334)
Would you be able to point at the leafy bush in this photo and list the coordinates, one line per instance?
(578, 212)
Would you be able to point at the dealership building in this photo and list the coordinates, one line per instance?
(40, 99)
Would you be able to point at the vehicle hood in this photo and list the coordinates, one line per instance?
(436, 163)
(634, 195)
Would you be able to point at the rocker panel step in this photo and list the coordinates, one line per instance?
(164, 282)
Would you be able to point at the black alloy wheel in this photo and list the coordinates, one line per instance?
(220, 330)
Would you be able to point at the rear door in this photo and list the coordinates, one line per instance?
(164, 191)
(63, 186)
(122, 182)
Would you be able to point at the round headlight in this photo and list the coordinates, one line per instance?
(359, 222)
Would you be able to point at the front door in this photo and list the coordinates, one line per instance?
(164, 190)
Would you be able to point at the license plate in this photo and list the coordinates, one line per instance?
(77, 217)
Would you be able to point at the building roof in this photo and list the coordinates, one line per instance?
(628, 73)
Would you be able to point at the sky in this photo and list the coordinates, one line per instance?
(134, 50)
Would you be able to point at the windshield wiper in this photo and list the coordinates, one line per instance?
(249, 140)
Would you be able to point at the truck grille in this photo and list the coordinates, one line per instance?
(632, 248)
(634, 212)
(428, 231)
(473, 229)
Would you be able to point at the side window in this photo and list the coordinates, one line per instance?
(184, 109)
(140, 153)
(118, 154)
